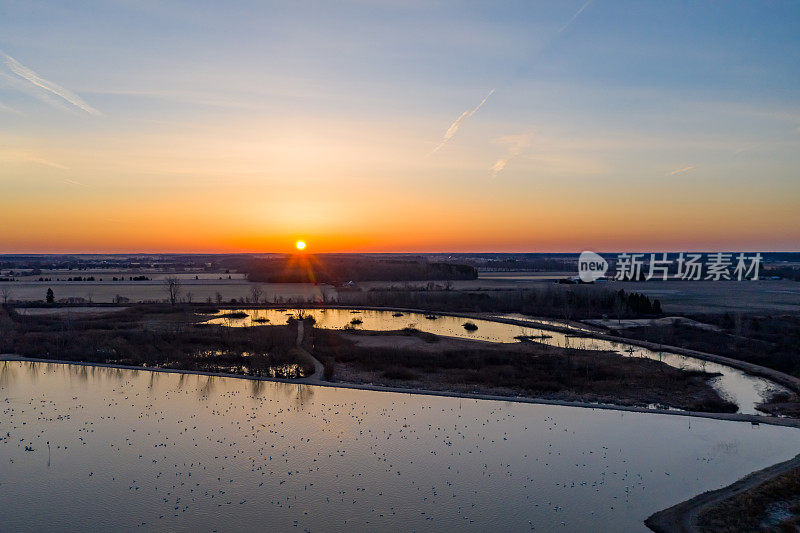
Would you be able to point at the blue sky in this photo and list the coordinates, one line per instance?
(304, 115)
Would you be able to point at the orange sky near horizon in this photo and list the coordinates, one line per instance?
(194, 192)
(558, 227)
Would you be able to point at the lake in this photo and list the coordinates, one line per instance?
(166, 451)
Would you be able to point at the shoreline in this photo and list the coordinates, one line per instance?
(309, 381)
(683, 516)
(751, 369)
(779, 378)
(680, 517)
(775, 376)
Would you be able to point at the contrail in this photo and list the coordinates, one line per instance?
(680, 170)
(457, 124)
(576, 15)
(451, 131)
(21, 71)
(551, 40)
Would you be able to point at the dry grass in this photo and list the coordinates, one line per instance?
(527, 369)
(156, 336)
(747, 511)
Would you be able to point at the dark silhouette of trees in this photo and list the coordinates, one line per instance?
(50, 297)
(639, 304)
(340, 269)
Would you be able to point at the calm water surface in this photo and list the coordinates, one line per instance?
(165, 451)
(745, 390)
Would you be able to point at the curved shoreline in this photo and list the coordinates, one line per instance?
(683, 516)
(311, 381)
(776, 376)
(751, 369)
(680, 517)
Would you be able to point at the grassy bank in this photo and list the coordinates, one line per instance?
(156, 336)
(527, 369)
(771, 341)
(771, 506)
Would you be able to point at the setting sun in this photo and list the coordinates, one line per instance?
(300, 245)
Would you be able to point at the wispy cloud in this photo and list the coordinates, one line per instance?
(4, 107)
(25, 156)
(457, 124)
(749, 148)
(680, 170)
(516, 145)
(44, 89)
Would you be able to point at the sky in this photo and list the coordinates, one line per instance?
(399, 126)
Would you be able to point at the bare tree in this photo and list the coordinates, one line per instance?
(189, 297)
(5, 294)
(172, 285)
(255, 293)
(218, 297)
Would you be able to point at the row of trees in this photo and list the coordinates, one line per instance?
(639, 304)
(173, 289)
(340, 269)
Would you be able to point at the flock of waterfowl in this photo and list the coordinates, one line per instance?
(121, 449)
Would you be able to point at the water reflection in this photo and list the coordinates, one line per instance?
(332, 459)
(256, 388)
(208, 387)
(744, 390)
(7, 374)
(181, 381)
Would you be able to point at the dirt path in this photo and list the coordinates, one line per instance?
(319, 369)
(683, 517)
